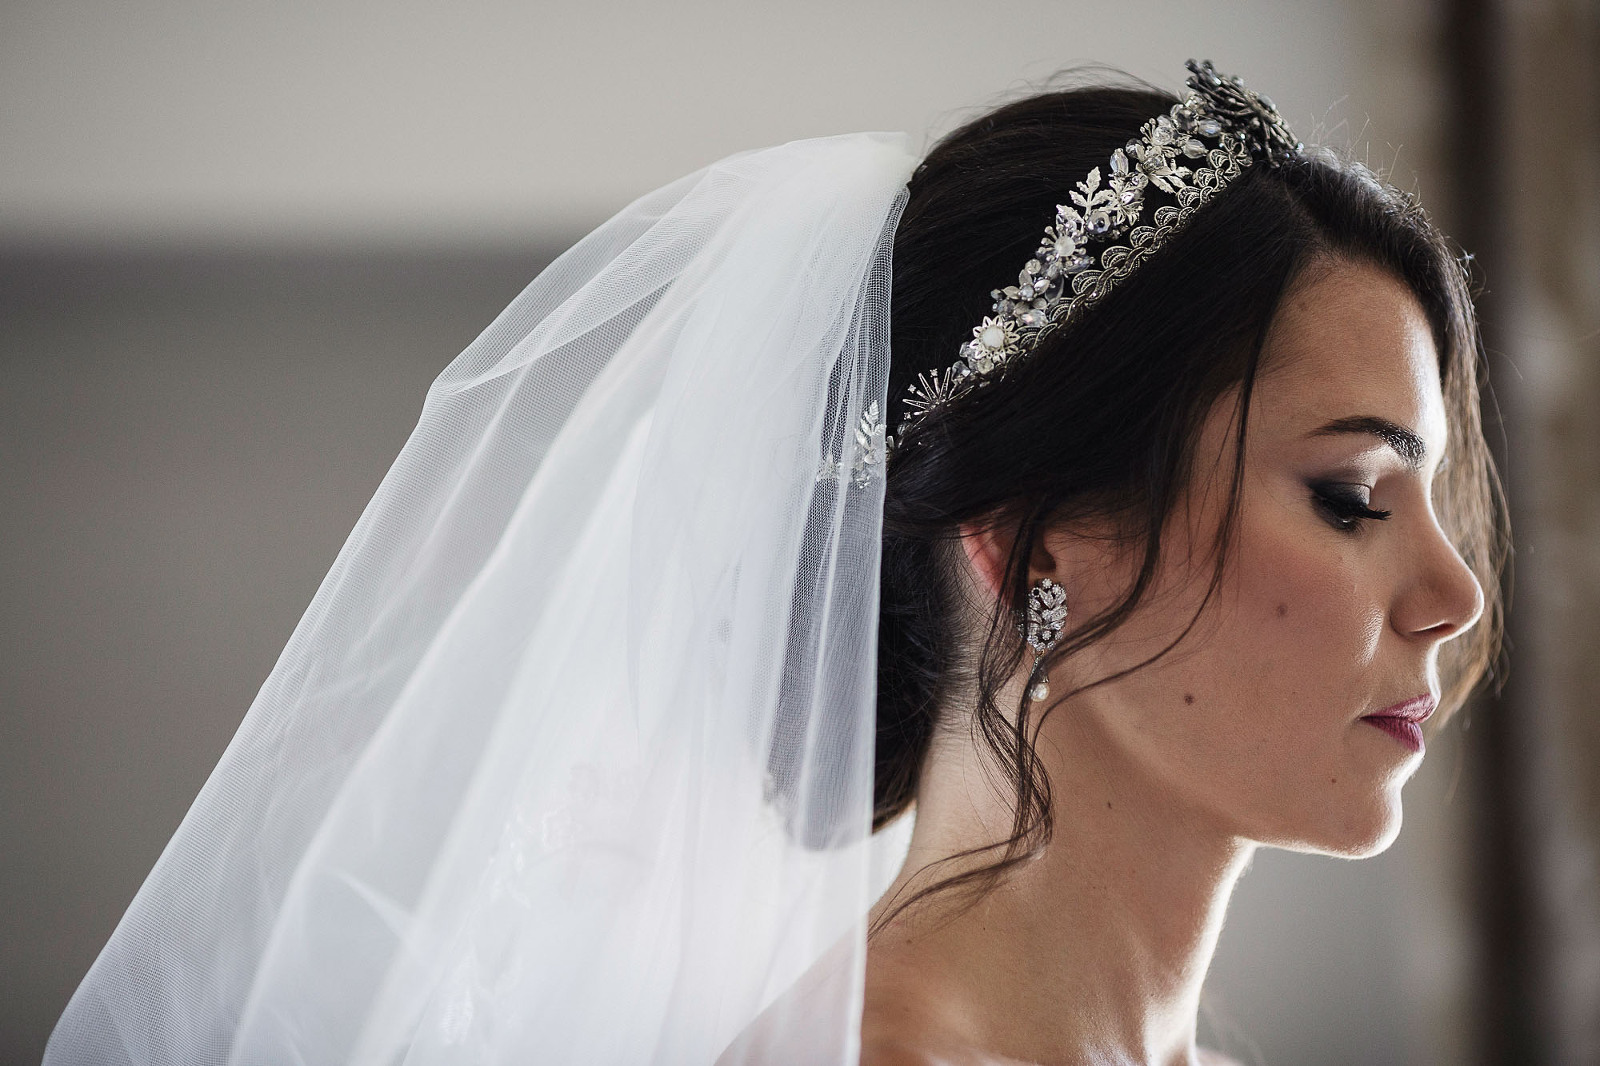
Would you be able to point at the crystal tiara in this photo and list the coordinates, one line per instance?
(1190, 153)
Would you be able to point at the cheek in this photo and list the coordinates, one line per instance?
(1261, 695)
(1303, 617)
(1290, 659)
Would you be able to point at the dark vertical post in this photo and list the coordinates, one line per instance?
(1505, 855)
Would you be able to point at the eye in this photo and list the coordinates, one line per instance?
(1346, 507)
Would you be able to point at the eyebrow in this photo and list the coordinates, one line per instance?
(1406, 444)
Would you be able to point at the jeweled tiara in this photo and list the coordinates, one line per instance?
(1190, 153)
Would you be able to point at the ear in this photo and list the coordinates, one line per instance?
(988, 548)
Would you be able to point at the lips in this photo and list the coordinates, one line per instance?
(1403, 721)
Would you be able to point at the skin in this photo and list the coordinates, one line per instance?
(1248, 733)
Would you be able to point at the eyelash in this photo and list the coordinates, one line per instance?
(1347, 511)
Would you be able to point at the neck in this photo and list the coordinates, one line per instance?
(1095, 951)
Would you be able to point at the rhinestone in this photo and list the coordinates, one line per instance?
(1099, 223)
(1024, 292)
(1210, 127)
(1033, 267)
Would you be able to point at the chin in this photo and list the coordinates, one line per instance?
(1360, 834)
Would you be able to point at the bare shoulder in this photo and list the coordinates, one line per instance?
(888, 1051)
(891, 1052)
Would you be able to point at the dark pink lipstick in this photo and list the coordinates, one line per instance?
(1404, 721)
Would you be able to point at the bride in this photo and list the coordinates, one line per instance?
(702, 684)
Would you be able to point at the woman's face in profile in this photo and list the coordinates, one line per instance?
(1325, 613)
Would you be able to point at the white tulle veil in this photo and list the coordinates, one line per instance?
(570, 759)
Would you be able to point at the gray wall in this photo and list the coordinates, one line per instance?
(333, 119)
(185, 442)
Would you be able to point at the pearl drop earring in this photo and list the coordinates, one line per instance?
(1047, 610)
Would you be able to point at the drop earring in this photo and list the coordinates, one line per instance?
(1047, 610)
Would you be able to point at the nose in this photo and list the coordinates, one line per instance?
(1443, 597)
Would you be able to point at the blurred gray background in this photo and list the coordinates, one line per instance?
(237, 242)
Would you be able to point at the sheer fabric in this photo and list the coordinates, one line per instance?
(570, 758)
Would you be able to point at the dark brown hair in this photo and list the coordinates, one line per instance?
(1101, 420)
